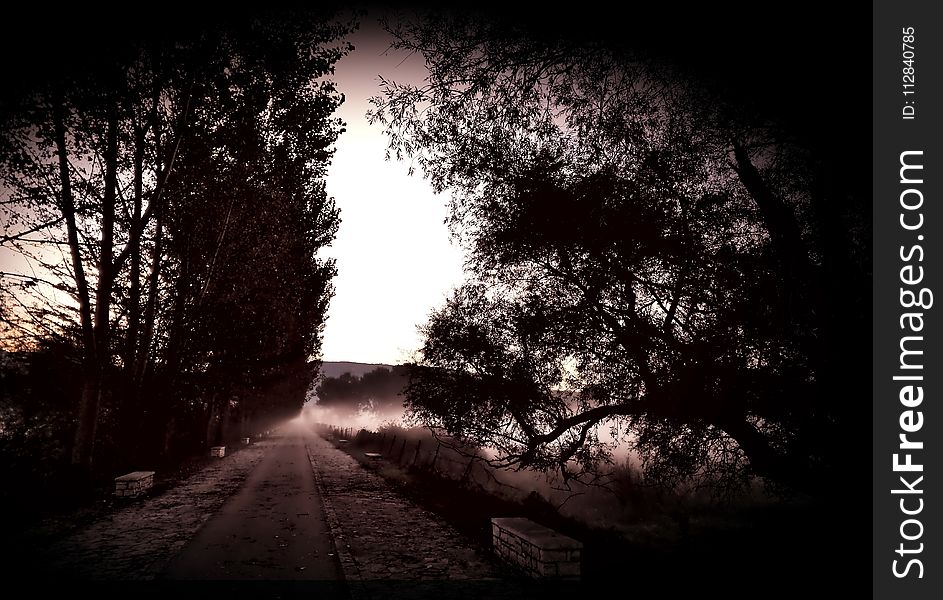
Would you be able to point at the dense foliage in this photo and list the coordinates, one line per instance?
(650, 255)
(377, 390)
(165, 206)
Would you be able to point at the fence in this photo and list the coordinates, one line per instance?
(422, 452)
(418, 451)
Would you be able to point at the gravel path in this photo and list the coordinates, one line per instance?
(390, 547)
(387, 546)
(138, 540)
(272, 529)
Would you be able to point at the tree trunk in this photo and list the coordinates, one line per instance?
(83, 442)
(67, 206)
(169, 431)
(785, 235)
(222, 427)
(780, 221)
(765, 461)
(212, 416)
(142, 358)
(134, 246)
(106, 273)
(243, 422)
(177, 331)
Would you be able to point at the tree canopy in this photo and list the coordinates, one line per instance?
(648, 254)
(379, 390)
(168, 204)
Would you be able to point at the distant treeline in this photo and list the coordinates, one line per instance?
(379, 390)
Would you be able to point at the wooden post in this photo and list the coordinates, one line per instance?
(416, 454)
(402, 449)
(436, 455)
(468, 469)
(393, 443)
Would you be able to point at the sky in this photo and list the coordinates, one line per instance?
(395, 261)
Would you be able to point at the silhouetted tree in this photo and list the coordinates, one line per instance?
(221, 134)
(646, 257)
(80, 159)
(378, 389)
(248, 294)
(341, 391)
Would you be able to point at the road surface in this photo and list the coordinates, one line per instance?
(272, 529)
(287, 516)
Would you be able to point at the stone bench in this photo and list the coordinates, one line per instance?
(373, 455)
(134, 483)
(218, 451)
(538, 550)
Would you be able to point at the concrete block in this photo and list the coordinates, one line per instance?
(134, 483)
(536, 534)
(218, 451)
(547, 555)
(535, 549)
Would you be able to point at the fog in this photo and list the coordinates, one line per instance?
(369, 418)
(591, 504)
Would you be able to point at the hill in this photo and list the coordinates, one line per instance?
(336, 369)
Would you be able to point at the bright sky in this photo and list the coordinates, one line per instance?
(395, 262)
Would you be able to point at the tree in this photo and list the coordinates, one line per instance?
(74, 162)
(379, 389)
(342, 391)
(109, 163)
(249, 295)
(647, 256)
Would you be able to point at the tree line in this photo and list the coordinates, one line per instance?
(379, 390)
(164, 208)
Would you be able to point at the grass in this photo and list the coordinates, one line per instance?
(770, 549)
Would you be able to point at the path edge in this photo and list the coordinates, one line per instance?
(348, 565)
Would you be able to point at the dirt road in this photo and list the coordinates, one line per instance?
(273, 528)
(288, 516)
